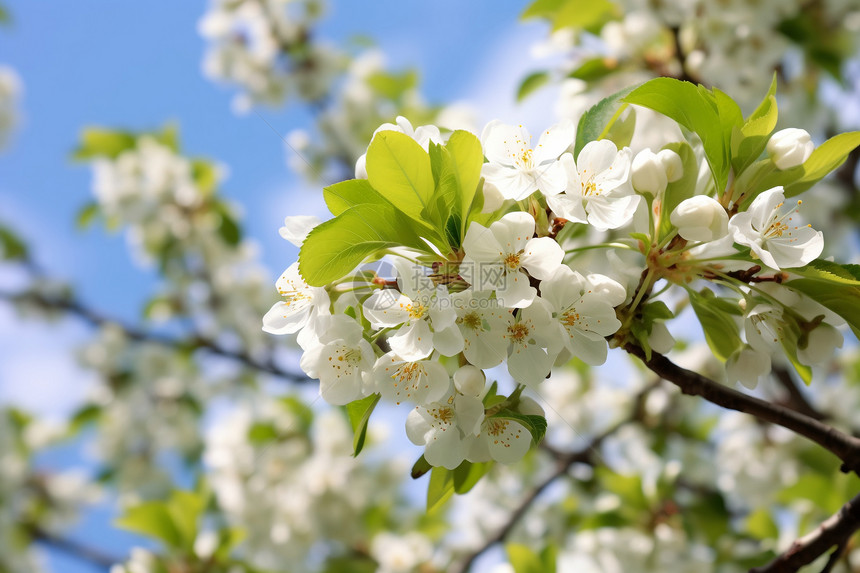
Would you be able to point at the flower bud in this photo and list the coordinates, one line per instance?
(469, 380)
(672, 164)
(789, 147)
(700, 218)
(649, 175)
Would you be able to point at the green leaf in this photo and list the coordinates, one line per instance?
(680, 190)
(536, 425)
(721, 330)
(620, 132)
(151, 519)
(185, 508)
(400, 171)
(303, 413)
(336, 247)
(205, 175)
(826, 158)
(541, 9)
(391, 85)
(98, 142)
(262, 432)
(84, 416)
(831, 272)
(523, 559)
(842, 299)
(341, 196)
(597, 121)
(698, 111)
(594, 69)
(440, 488)
(229, 228)
(468, 474)
(5, 17)
(583, 14)
(532, 83)
(359, 413)
(748, 143)
(86, 215)
(12, 248)
(467, 157)
(656, 310)
(761, 525)
(421, 467)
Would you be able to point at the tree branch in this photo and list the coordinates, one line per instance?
(564, 461)
(95, 557)
(93, 318)
(846, 447)
(836, 530)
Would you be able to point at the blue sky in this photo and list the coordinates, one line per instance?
(136, 65)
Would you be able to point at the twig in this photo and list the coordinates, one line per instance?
(836, 530)
(563, 463)
(92, 317)
(95, 557)
(846, 447)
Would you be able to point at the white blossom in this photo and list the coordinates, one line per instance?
(516, 169)
(775, 234)
(598, 187)
(499, 256)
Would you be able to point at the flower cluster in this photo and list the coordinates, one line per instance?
(265, 48)
(501, 281)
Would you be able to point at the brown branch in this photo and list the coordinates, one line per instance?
(845, 447)
(93, 318)
(564, 461)
(835, 531)
(93, 556)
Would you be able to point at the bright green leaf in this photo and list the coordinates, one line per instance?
(393, 86)
(440, 488)
(721, 330)
(532, 83)
(341, 196)
(86, 215)
(523, 559)
(400, 171)
(185, 508)
(151, 519)
(597, 121)
(336, 247)
(594, 69)
(359, 413)
(761, 525)
(694, 109)
(583, 14)
(98, 142)
(468, 474)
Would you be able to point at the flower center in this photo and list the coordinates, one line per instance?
(407, 372)
(352, 356)
(518, 332)
(589, 188)
(526, 160)
(781, 224)
(416, 310)
(570, 318)
(471, 321)
(512, 261)
(444, 415)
